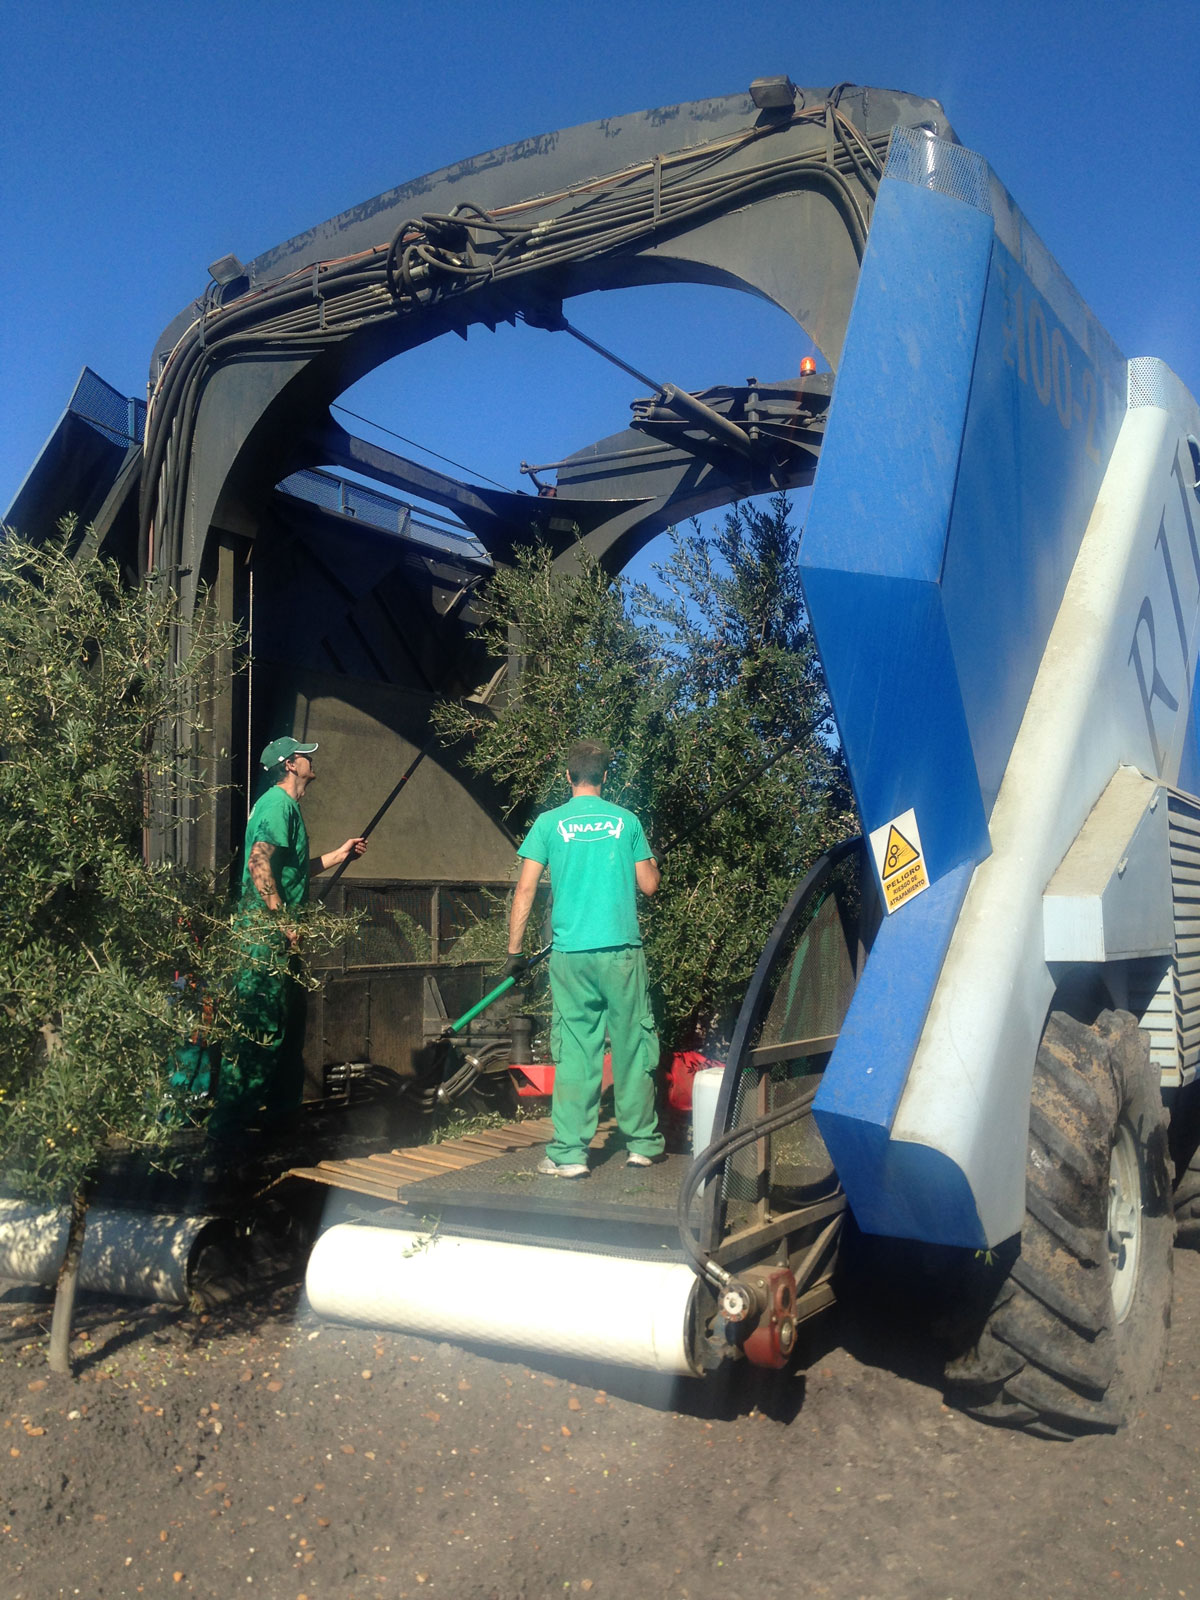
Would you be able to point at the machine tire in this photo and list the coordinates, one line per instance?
(1187, 1206)
(1075, 1333)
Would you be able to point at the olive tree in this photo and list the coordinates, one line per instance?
(708, 687)
(109, 965)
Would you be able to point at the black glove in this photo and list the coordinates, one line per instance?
(515, 967)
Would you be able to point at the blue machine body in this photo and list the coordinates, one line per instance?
(975, 413)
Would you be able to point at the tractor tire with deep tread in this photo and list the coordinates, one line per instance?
(1075, 1333)
(1187, 1206)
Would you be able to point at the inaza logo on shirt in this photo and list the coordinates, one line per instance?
(588, 828)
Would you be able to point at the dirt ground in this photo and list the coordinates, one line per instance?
(260, 1451)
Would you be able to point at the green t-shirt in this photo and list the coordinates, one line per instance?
(591, 847)
(276, 820)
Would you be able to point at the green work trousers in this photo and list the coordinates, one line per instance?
(595, 991)
(261, 1080)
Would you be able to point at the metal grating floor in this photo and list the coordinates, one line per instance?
(495, 1171)
(511, 1183)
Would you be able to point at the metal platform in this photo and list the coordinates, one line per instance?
(489, 1182)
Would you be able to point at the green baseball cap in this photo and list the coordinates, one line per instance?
(281, 750)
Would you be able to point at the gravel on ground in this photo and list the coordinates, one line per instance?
(258, 1451)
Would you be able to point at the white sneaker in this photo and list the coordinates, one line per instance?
(633, 1159)
(569, 1169)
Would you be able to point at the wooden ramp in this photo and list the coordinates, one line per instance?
(389, 1175)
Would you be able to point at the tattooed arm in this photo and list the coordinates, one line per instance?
(261, 875)
(263, 879)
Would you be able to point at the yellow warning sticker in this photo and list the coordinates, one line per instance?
(898, 853)
(899, 859)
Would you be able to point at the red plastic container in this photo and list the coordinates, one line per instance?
(539, 1078)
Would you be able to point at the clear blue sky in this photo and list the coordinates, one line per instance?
(142, 140)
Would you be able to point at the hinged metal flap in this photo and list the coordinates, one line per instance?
(1111, 895)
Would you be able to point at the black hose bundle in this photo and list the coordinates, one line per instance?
(717, 1154)
(753, 1006)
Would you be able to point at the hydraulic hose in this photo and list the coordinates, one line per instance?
(717, 1153)
(736, 1139)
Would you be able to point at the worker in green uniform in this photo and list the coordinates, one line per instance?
(598, 860)
(262, 1070)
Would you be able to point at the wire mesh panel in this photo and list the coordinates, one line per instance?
(396, 929)
(461, 914)
(796, 1157)
(918, 156)
(799, 1159)
(115, 415)
(802, 1004)
(741, 1184)
(813, 986)
(318, 488)
(374, 1003)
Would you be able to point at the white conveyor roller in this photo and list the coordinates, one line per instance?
(565, 1302)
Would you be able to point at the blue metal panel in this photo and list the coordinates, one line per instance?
(888, 1008)
(1189, 765)
(865, 1078)
(966, 441)
(872, 555)
(880, 513)
(1041, 424)
(913, 1192)
(888, 462)
(895, 694)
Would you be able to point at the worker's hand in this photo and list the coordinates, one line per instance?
(292, 934)
(516, 966)
(352, 847)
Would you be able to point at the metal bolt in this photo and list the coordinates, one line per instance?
(735, 1303)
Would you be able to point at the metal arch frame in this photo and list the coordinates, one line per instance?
(772, 203)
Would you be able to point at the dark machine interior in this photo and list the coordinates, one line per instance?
(355, 604)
